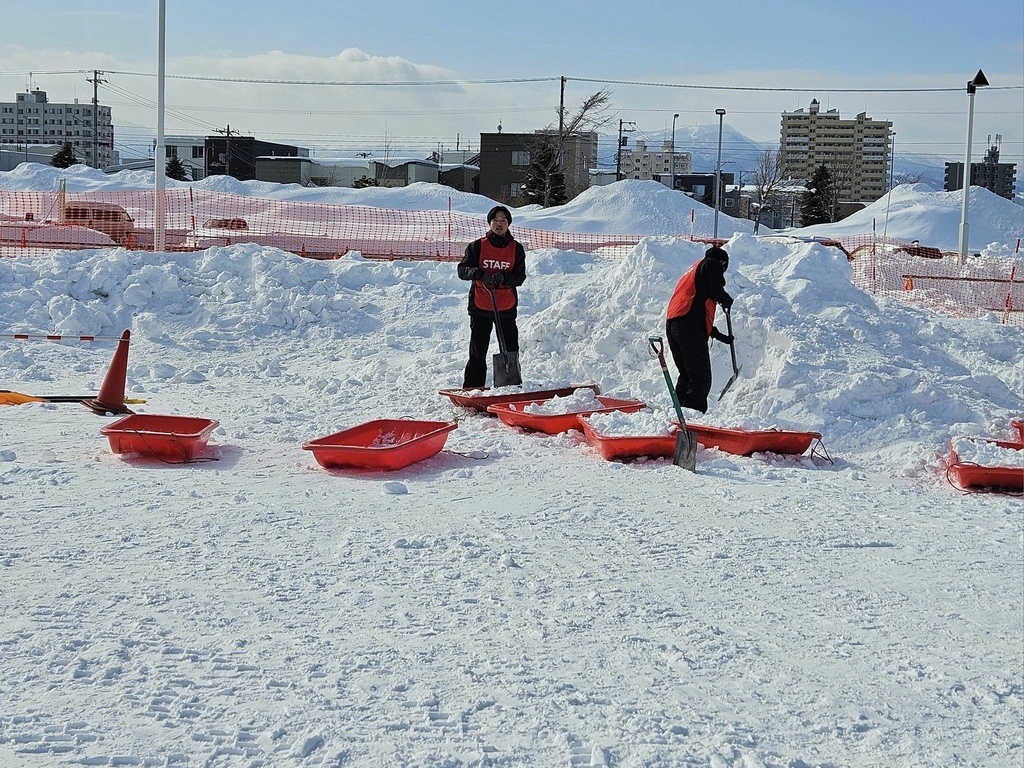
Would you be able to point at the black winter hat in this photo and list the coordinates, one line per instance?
(714, 252)
(496, 210)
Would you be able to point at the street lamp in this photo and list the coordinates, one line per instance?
(979, 81)
(672, 160)
(718, 169)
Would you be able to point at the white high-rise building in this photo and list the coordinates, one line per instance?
(34, 120)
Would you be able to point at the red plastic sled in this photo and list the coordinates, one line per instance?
(174, 439)
(553, 423)
(386, 444)
(744, 442)
(623, 447)
(483, 401)
(968, 475)
(738, 441)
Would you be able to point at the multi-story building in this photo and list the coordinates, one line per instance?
(236, 155)
(191, 151)
(33, 119)
(642, 163)
(990, 173)
(505, 163)
(856, 152)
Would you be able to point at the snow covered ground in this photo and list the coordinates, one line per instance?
(514, 600)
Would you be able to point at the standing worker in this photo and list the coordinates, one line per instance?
(496, 263)
(691, 318)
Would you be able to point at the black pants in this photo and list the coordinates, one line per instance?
(689, 347)
(479, 340)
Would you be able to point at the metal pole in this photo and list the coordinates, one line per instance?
(160, 160)
(672, 160)
(95, 118)
(718, 169)
(618, 156)
(966, 177)
(892, 161)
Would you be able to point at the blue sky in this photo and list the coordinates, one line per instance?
(820, 50)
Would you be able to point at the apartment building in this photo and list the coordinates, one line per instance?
(33, 119)
(855, 151)
(643, 163)
(991, 174)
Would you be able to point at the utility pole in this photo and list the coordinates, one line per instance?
(227, 148)
(95, 80)
(561, 123)
(618, 153)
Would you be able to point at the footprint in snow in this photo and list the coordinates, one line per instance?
(394, 488)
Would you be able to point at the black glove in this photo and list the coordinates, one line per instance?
(726, 301)
(495, 280)
(725, 338)
(478, 274)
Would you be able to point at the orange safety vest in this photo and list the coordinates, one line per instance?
(684, 294)
(493, 260)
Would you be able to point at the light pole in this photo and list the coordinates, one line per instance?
(160, 159)
(888, 196)
(979, 81)
(892, 160)
(718, 169)
(672, 160)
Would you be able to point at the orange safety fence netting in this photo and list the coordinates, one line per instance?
(197, 219)
(939, 280)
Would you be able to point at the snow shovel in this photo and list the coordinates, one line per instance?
(505, 363)
(685, 454)
(732, 351)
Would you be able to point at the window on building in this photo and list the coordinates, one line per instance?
(197, 152)
(516, 189)
(520, 158)
(171, 151)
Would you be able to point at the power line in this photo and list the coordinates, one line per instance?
(778, 89)
(494, 81)
(374, 83)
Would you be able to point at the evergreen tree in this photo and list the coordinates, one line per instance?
(175, 169)
(816, 203)
(64, 157)
(545, 184)
(364, 181)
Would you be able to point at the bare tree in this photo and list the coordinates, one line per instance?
(385, 172)
(906, 178)
(591, 115)
(843, 166)
(767, 178)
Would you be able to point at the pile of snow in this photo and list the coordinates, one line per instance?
(915, 212)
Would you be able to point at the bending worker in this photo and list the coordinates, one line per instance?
(691, 318)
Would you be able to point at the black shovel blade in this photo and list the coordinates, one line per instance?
(729, 383)
(685, 455)
(506, 369)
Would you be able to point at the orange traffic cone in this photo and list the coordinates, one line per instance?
(111, 396)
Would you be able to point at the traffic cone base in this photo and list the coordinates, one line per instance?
(111, 396)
